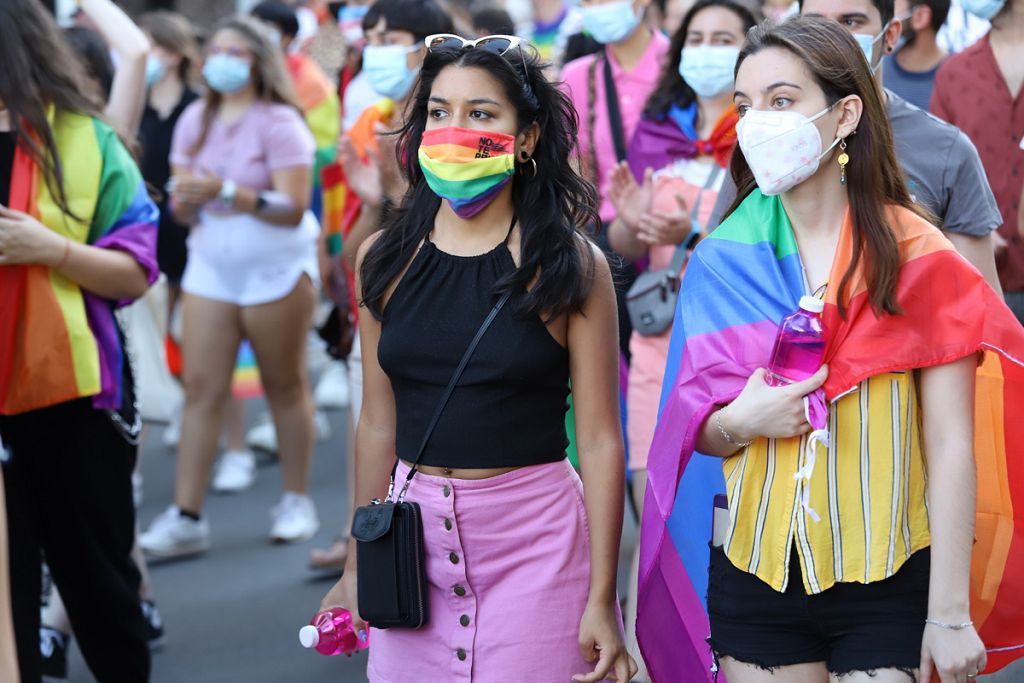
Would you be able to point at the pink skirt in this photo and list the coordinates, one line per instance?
(509, 571)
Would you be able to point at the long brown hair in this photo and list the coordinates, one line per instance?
(174, 33)
(39, 70)
(873, 176)
(273, 84)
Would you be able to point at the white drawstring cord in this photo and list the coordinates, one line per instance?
(805, 472)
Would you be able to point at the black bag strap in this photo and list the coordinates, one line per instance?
(679, 256)
(611, 97)
(447, 395)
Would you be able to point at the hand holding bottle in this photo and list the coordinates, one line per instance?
(768, 411)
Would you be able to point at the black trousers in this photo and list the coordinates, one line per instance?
(69, 497)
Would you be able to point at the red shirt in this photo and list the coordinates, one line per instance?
(971, 93)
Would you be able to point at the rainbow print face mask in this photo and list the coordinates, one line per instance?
(467, 167)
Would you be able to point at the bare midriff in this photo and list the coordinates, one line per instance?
(462, 472)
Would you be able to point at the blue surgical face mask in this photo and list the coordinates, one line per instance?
(867, 46)
(610, 22)
(155, 71)
(983, 9)
(708, 69)
(226, 73)
(388, 71)
(350, 21)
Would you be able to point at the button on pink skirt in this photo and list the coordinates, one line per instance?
(509, 572)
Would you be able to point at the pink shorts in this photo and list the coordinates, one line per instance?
(509, 572)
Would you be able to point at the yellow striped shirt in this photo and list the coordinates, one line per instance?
(868, 489)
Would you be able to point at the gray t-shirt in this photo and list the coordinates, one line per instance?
(913, 86)
(942, 167)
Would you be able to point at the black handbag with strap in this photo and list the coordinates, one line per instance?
(392, 579)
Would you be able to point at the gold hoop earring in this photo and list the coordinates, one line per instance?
(844, 159)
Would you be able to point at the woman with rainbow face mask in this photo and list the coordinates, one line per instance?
(520, 554)
(882, 545)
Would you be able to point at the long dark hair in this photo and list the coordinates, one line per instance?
(671, 88)
(873, 176)
(553, 206)
(39, 70)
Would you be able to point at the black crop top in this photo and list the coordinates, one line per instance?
(508, 409)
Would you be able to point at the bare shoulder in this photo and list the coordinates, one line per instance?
(365, 247)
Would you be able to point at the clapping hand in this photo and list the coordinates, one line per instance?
(631, 201)
(660, 228)
(363, 176)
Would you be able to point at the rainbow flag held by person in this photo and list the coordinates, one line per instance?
(58, 342)
(742, 280)
(318, 99)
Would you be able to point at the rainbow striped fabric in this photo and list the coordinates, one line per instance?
(467, 167)
(320, 107)
(58, 342)
(739, 284)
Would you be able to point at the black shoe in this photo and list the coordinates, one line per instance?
(53, 646)
(154, 625)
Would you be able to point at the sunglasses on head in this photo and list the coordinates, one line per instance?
(496, 44)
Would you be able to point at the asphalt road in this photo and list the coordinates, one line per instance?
(233, 614)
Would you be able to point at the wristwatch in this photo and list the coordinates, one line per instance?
(228, 189)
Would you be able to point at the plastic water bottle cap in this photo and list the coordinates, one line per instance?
(812, 304)
(309, 636)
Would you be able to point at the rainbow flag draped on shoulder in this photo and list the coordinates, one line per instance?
(742, 280)
(57, 342)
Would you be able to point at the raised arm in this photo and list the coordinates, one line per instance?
(128, 92)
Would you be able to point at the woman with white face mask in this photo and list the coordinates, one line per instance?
(845, 551)
(241, 163)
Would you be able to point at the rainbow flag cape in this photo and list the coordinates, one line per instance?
(742, 280)
(57, 342)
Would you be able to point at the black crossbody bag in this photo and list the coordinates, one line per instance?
(392, 579)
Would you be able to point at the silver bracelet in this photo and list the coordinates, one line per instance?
(726, 435)
(949, 627)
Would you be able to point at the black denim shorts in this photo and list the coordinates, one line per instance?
(851, 626)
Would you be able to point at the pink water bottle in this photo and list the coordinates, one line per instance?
(799, 345)
(331, 633)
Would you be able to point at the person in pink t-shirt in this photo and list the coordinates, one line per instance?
(241, 174)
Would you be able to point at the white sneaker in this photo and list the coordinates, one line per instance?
(332, 391)
(172, 534)
(172, 432)
(263, 437)
(294, 518)
(236, 471)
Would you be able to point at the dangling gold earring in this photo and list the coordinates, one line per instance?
(844, 159)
